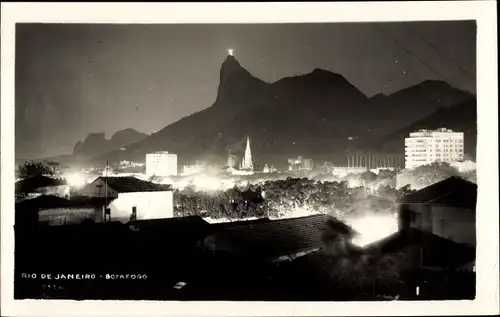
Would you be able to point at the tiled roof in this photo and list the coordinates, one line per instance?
(32, 183)
(437, 251)
(108, 230)
(44, 201)
(229, 224)
(168, 224)
(453, 191)
(271, 239)
(170, 233)
(50, 201)
(131, 184)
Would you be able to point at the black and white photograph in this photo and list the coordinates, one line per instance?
(248, 162)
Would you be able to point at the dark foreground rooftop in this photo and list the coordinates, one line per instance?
(453, 191)
(172, 254)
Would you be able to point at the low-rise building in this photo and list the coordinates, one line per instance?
(41, 185)
(429, 266)
(129, 198)
(300, 164)
(308, 164)
(193, 169)
(269, 169)
(446, 209)
(232, 160)
(52, 210)
(342, 171)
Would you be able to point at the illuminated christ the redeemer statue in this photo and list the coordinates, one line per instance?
(230, 51)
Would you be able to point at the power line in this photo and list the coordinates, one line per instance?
(401, 45)
(437, 51)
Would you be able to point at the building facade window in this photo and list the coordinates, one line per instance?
(428, 146)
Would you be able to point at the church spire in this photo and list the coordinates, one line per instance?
(247, 159)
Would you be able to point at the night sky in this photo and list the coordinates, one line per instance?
(75, 79)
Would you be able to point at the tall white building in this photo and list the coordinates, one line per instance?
(161, 164)
(428, 146)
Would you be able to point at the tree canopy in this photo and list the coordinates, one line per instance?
(34, 169)
(281, 198)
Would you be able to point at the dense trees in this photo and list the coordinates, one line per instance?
(286, 195)
(35, 169)
(283, 197)
(426, 175)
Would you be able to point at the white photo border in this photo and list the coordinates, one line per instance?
(484, 12)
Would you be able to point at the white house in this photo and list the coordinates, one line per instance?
(129, 198)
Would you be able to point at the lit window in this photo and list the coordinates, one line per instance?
(180, 285)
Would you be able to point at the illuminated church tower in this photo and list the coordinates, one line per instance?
(246, 163)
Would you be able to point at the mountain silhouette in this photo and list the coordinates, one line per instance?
(97, 144)
(237, 84)
(319, 115)
(410, 104)
(460, 118)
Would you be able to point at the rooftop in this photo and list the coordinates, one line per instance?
(131, 184)
(30, 184)
(436, 130)
(180, 231)
(275, 238)
(160, 152)
(166, 224)
(453, 191)
(84, 233)
(436, 251)
(44, 201)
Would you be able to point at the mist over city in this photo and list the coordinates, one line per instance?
(322, 162)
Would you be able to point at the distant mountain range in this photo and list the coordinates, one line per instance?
(462, 118)
(96, 143)
(319, 115)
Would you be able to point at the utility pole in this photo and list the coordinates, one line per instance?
(106, 193)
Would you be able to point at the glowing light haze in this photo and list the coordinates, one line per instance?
(372, 227)
(465, 166)
(369, 225)
(76, 180)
